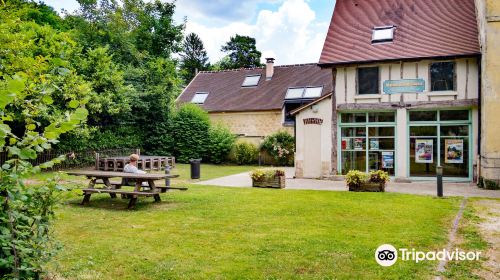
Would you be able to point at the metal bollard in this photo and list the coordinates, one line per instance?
(439, 173)
(167, 172)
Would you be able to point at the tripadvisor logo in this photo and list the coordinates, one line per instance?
(387, 255)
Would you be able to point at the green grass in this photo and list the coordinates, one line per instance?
(243, 233)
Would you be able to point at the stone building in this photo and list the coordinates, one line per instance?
(406, 90)
(257, 102)
(488, 14)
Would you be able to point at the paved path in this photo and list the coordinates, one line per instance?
(422, 188)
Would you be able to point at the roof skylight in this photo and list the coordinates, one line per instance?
(383, 34)
(199, 98)
(304, 93)
(251, 81)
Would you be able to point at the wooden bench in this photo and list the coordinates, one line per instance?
(103, 177)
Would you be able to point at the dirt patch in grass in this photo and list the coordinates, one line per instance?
(489, 228)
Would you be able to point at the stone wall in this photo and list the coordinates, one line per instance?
(489, 30)
(253, 126)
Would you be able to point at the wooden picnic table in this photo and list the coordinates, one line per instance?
(113, 189)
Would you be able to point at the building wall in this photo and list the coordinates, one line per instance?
(467, 87)
(252, 126)
(314, 141)
(466, 76)
(489, 31)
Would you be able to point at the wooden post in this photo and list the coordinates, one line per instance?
(334, 125)
(96, 161)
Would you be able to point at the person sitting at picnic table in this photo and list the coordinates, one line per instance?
(131, 167)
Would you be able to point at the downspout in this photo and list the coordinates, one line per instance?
(480, 117)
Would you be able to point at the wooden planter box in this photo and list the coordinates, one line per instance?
(278, 183)
(369, 187)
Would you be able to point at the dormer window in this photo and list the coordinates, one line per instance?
(199, 98)
(383, 34)
(251, 81)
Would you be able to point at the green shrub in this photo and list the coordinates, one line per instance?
(491, 184)
(281, 146)
(221, 141)
(379, 176)
(190, 126)
(245, 153)
(266, 174)
(354, 178)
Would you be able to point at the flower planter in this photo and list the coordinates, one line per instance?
(278, 182)
(368, 187)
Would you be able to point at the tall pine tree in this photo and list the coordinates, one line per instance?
(242, 53)
(193, 58)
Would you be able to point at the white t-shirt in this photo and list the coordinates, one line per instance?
(129, 168)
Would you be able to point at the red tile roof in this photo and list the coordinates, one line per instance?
(424, 28)
(227, 95)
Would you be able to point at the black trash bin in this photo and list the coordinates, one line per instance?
(195, 168)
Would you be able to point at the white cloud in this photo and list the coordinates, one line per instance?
(291, 34)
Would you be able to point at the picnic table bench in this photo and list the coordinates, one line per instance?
(113, 188)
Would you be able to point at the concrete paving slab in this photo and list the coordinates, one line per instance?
(243, 180)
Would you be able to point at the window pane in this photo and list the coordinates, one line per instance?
(353, 160)
(382, 117)
(353, 144)
(455, 157)
(313, 92)
(288, 108)
(353, 118)
(423, 131)
(381, 131)
(425, 164)
(199, 98)
(368, 80)
(383, 34)
(442, 76)
(454, 115)
(376, 161)
(294, 93)
(455, 130)
(353, 131)
(422, 116)
(251, 81)
(381, 144)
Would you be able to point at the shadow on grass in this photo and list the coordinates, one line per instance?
(105, 202)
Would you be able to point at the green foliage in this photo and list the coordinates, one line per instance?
(242, 53)
(355, 178)
(190, 132)
(41, 98)
(266, 174)
(193, 57)
(281, 146)
(245, 153)
(221, 141)
(379, 176)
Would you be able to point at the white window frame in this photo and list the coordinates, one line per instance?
(381, 36)
(246, 84)
(194, 101)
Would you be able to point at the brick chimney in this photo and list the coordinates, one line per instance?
(269, 68)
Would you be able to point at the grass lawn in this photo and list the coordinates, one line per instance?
(242, 233)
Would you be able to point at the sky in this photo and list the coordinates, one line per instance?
(291, 31)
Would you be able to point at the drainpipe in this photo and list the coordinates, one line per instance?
(479, 123)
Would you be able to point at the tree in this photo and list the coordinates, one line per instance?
(194, 57)
(242, 52)
(41, 98)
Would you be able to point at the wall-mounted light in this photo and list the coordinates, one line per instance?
(315, 108)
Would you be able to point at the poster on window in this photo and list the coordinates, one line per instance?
(358, 144)
(424, 150)
(388, 160)
(346, 144)
(374, 145)
(454, 150)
